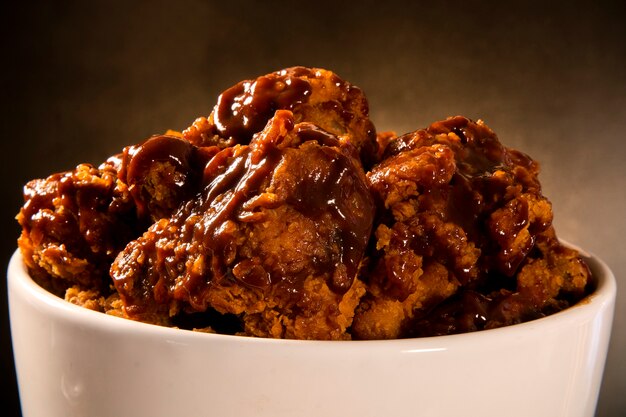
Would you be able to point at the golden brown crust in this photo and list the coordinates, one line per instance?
(276, 236)
(73, 225)
(314, 95)
(464, 214)
(283, 214)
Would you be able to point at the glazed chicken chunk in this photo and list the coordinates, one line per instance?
(462, 226)
(284, 214)
(277, 235)
(314, 95)
(74, 223)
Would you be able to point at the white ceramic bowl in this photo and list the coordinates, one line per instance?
(71, 361)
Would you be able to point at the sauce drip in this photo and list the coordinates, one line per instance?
(337, 189)
(201, 244)
(245, 108)
(232, 180)
(161, 173)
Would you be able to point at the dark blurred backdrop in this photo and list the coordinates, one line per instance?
(80, 80)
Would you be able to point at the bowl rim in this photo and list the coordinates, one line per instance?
(21, 285)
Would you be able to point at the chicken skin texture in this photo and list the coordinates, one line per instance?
(464, 237)
(74, 223)
(277, 235)
(284, 214)
(314, 95)
(73, 226)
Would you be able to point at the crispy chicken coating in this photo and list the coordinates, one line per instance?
(314, 95)
(68, 239)
(75, 223)
(463, 220)
(277, 235)
(73, 226)
(284, 214)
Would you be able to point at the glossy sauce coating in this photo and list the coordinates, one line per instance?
(243, 186)
(245, 108)
(74, 224)
(161, 173)
(281, 214)
(313, 95)
(462, 230)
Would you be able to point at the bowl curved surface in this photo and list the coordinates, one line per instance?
(71, 361)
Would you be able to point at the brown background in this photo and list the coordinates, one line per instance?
(83, 79)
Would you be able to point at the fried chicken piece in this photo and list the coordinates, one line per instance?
(73, 226)
(276, 237)
(94, 300)
(552, 278)
(257, 219)
(75, 223)
(314, 95)
(462, 222)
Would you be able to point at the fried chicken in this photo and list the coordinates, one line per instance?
(73, 226)
(284, 214)
(314, 95)
(462, 221)
(69, 238)
(75, 223)
(277, 236)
